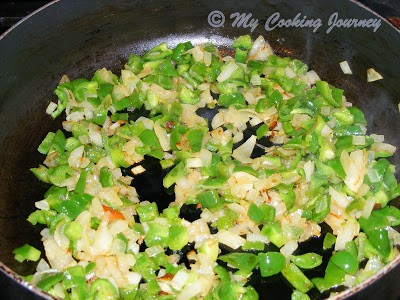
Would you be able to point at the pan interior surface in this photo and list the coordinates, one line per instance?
(78, 37)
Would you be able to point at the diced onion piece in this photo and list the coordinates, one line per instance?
(194, 162)
(57, 257)
(42, 266)
(378, 138)
(368, 207)
(180, 278)
(197, 53)
(51, 108)
(289, 248)
(354, 166)
(384, 147)
(255, 80)
(227, 72)
(374, 264)
(338, 198)
(325, 110)
(207, 59)
(243, 152)
(163, 137)
(42, 204)
(310, 77)
(346, 233)
(373, 75)
(308, 170)
(75, 158)
(344, 65)
(257, 237)
(133, 277)
(153, 251)
(102, 240)
(95, 135)
(373, 176)
(260, 49)
(358, 140)
(289, 72)
(138, 170)
(230, 239)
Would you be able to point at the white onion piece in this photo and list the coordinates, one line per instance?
(230, 239)
(378, 138)
(344, 65)
(373, 75)
(260, 49)
(354, 166)
(346, 232)
(163, 137)
(309, 169)
(244, 151)
(95, 135)
(288, 249)
(180, 278)
(51, 108)
(368, 207)
(227, 72)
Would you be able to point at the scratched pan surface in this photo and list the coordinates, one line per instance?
(77, 37)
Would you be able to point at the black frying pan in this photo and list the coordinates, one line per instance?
(77, 37)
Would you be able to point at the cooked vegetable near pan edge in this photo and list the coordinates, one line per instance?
(282, 158)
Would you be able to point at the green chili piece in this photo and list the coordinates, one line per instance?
(243, 41)
(157, 235)
(41, 173)
(296, 295)
(222, 273)
(271, 263)
(73, 231)
(262, 213)
(262, 131)
(26, 252)
(74, 205)
(307, 260)
(106, 177)
(195, 138)
(41, 217)
(81, 184)
(147, 212)
(253, 246)
(135, 63)
(208, 199)
(344, 116)
(49, 281)
(358, 115)
(329, 241)
(178, 237)
(346, 261)
(296, 278)
(325, 91)
(274, 232)
(187, 96)
(63, 95)
(57, 175)
(174, 174)
(129, 292)
(102, 289)
(240, 55)
(117, 157)
(243, 261)
(236, 99)
(46, 144)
